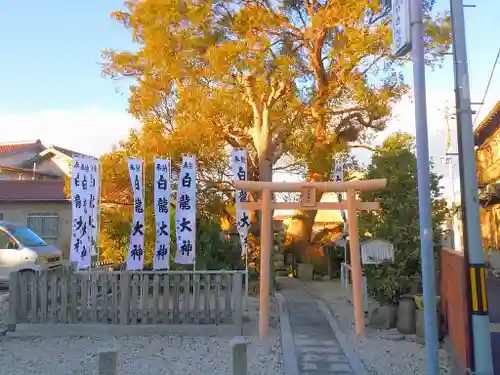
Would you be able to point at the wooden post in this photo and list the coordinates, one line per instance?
(357, 274)
(13, 300)
(265, 251)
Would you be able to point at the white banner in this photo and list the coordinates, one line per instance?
(135, 258)
(185, 212)
(82, 223)
(239, 168)
(162, 192)
(338, 176)
(93, 203)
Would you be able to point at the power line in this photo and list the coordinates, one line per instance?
(492, 73)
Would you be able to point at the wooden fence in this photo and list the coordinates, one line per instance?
(126, 297)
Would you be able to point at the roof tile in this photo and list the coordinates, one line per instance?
(32, 190)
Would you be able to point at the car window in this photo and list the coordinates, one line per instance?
(5, 241)
(26, 236)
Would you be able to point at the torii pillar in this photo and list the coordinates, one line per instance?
(308, 202)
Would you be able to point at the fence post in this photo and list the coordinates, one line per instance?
(238, 356)
(238, 304)
(13, 300)
(124, 297)
(108, 359)
(342, 276)
(365, 295)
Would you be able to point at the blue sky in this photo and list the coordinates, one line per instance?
(51, 54)
(53, 89)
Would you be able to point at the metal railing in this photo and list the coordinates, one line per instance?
(346, 282)
(45, 224)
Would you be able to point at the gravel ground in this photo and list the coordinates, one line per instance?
(139, 354)
(380, 356)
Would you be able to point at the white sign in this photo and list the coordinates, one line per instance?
(401, 28)
(162, 193)
(135, 258)
(185, 212)
(376, 252)
(239, 168)
(338, 176)
(83, 205)
(93, 203)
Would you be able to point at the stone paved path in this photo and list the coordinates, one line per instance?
(317, 348)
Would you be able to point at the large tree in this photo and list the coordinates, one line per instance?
(398, 220)
(292, 77)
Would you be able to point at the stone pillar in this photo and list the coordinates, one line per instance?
(238, 363)
(107, 362)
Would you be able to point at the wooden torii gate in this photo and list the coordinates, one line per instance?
(308, 201)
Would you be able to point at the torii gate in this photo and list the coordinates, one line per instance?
(308, 202)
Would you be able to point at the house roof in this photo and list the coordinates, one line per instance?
(488, 126)
(32, 191)
(18, 146)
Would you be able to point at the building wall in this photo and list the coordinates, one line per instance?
(490, 227)
(488, 160)
(19, 212)
(58, 165)
(16, 175)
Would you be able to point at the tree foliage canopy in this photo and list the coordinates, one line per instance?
(398, 220)
(298, 77)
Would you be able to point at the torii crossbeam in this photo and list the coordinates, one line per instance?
(308, 202)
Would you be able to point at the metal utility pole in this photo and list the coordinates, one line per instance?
(480, 327)
(424, 194)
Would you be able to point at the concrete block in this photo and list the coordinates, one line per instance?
(107, 364)
(239, 361)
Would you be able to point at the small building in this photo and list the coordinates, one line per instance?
(33, 160)
(487, 142)
(41, 205)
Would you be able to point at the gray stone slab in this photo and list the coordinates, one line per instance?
(321, 348)
(317, 348)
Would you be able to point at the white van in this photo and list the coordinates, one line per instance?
(23, 250)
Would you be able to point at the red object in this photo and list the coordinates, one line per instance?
(32, 190)
(454, 305)
(6, 147)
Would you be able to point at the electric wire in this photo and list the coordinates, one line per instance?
(492, 73)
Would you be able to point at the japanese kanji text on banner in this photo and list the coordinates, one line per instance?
(338, 176)
(83, 182)
(93, 203)
(239, 169)
(135, 258)
(162, 193)
(185, 212)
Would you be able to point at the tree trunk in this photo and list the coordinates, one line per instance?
(301, 225)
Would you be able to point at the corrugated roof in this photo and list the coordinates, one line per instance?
(32, 190)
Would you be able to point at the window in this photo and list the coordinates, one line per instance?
(5, 240)
(1, 216)
(25, 235)
(45, 225)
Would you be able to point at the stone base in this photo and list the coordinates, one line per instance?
(383, 317)
(305, 271)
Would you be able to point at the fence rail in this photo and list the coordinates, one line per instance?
(125, 297)
(346, 281)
